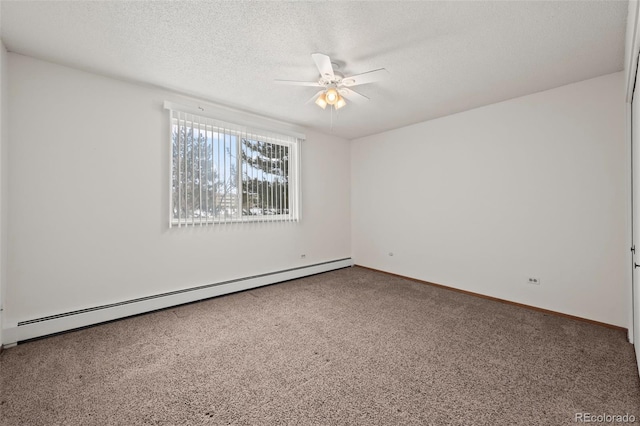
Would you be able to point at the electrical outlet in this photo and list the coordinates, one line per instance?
(534, 281)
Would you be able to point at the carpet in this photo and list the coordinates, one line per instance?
(347, 347)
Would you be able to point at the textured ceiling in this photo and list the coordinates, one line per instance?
(443, 57)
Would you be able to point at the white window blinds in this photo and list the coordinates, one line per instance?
(227, 173)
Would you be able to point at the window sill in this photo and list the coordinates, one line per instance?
(249, 219)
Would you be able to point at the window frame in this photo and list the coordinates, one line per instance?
(241, 132)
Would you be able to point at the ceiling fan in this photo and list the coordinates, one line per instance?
(335, 86)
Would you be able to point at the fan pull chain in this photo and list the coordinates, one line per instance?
(331, 120)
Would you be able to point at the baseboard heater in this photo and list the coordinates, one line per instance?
(52, 324)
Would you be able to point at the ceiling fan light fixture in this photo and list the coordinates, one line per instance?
(341, 102)
(322, 101)
(331, 96)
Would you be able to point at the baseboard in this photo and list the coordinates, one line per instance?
(521, 305)
(44, 326)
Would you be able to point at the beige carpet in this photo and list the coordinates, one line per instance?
(349, 347)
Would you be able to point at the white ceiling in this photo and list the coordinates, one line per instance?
(443, 57)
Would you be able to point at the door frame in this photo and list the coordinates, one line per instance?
(632, 53)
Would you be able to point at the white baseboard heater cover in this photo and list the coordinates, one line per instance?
(67, 321)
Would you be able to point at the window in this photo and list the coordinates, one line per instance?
(226, 173)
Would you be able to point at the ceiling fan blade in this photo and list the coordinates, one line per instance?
(323, 62)
(352, 95)
(299, 83)
(365, 77)
(315, 96)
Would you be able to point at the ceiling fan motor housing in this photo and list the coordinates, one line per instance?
(327, 80)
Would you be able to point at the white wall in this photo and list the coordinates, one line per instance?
(4, 169)
(484, 199)
(631, 45)
(88, 200)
